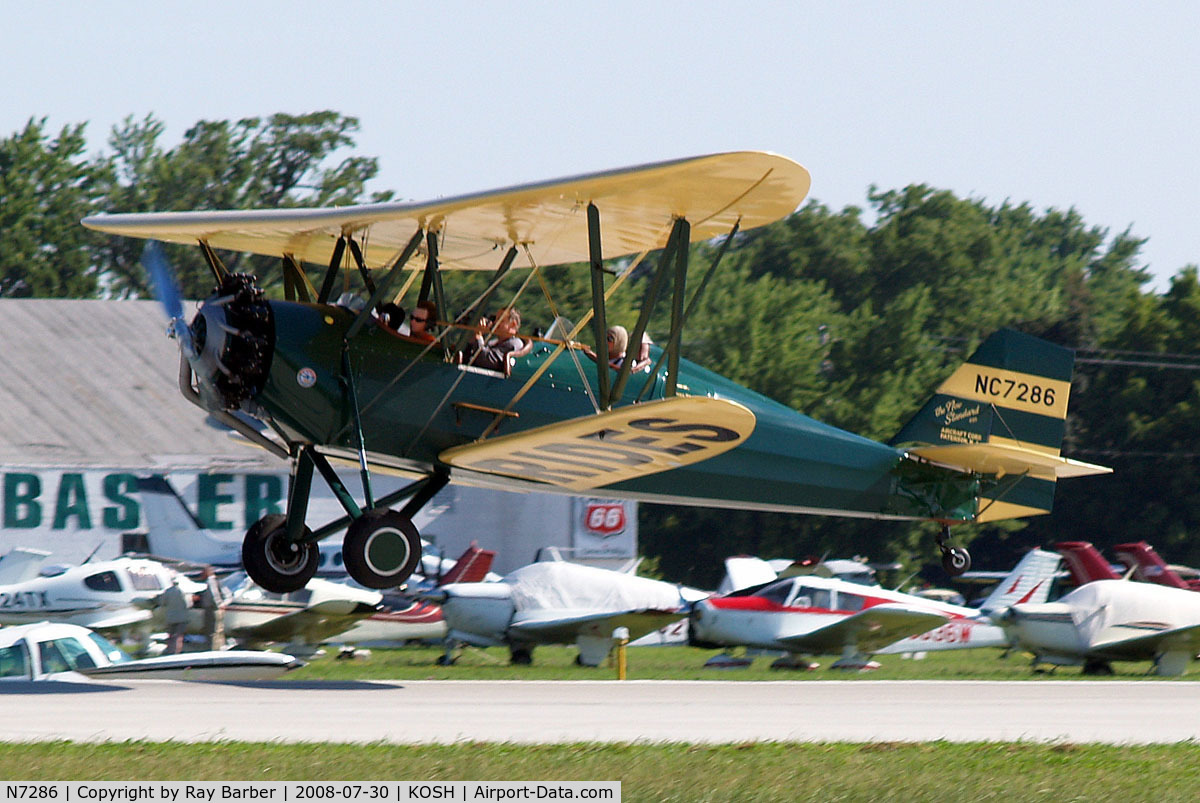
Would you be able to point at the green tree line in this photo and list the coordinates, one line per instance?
(852, 316)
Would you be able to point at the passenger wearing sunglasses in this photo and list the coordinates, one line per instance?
(423, 316)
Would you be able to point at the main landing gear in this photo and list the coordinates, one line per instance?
(955, 560)
(381, 549)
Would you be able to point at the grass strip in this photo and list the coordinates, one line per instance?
(757, 771)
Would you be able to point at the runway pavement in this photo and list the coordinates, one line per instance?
(652, 711)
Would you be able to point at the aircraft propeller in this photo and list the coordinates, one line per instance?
(166, 290)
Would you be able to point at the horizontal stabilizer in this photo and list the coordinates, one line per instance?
(622, 444)
(870, 630)
(1003, 459)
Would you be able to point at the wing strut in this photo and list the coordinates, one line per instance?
(363, 270)
(712, 269)
(214, 262)
(648, 301)
(295, 281)
(335, 263)
(378, 293)
(599, 319)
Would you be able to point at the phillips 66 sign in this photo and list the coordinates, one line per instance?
(605, 528)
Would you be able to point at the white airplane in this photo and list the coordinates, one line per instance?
(64, 652)
(321, 611)
(1111, 620)
(808, 615)
(557, 602)
(119, 594)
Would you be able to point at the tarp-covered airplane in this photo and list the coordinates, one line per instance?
(558, 602)
(332, 381)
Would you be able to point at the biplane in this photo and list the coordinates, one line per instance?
(330, 381)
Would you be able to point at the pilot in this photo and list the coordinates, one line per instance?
(494, 353)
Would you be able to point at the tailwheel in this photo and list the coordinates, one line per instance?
(273, 561)
(955, 560)
(382, 548)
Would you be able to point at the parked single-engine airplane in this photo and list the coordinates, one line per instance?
(1111, 620)
(112, 595)
(65, 652)
(330, 381)
(558, 602)
(808, 615)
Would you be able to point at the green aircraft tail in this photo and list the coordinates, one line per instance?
(1002, 415)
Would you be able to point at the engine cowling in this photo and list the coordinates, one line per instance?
(233, 340)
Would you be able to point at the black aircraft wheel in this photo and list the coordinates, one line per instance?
(955, 561)
(382, 548)
(521, 656)
(274, 562)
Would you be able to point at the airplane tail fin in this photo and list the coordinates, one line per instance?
(1029, 581)
(472, 567)
(173, 531)
(1147, 565)
(1084, 562)
(1003, 414)
(20, 564)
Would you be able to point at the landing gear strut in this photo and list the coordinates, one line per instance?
(382, 548)
(955, 560)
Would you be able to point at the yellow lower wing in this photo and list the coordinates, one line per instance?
(634, 441)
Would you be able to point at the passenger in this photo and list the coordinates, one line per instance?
(423, 316)
(643, 358)
(493, 354)
(618, 343)
(391, 315)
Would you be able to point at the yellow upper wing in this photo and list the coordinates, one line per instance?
(636, 204)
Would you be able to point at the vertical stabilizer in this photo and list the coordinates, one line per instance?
(1085, 562)
(21, 564)
(1148, 566)
(174, 532)
(472, 567)
(1002, 414)
(1029, 581)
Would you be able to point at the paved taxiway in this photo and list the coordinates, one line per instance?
(537, 711)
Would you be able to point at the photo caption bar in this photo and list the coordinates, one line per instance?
(306, 792)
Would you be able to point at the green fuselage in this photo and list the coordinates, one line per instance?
(790, 462)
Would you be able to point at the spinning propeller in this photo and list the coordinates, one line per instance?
(166, 290)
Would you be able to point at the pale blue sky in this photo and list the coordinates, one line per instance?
(1084, 104)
